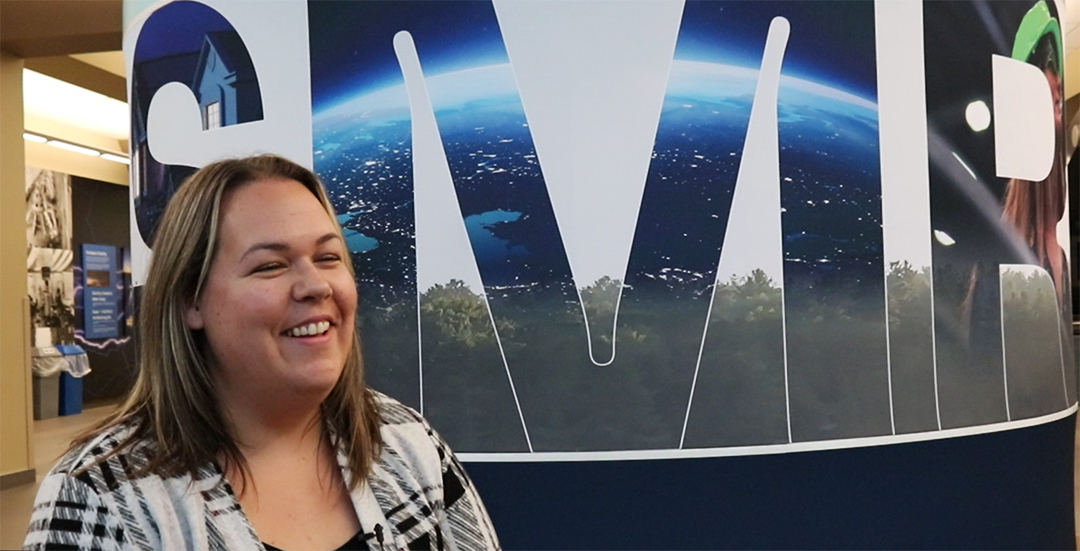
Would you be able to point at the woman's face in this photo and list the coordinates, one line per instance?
(278, 305)
(1055, 97)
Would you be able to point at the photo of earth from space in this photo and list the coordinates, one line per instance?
(519, 346)
(832, 211)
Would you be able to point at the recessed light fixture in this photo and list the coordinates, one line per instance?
(89, 151)
(115, 158)
(76, 148)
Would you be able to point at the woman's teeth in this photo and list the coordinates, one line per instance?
(309, 329)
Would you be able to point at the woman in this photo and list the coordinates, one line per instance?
(1034, 208)
(249, 426)
(1030, 209)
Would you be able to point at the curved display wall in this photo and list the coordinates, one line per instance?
(678, 274)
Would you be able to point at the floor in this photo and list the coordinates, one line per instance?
(51, 439)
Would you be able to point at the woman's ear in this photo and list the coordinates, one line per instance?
(192, 315)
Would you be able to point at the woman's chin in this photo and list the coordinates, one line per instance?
(317, 383)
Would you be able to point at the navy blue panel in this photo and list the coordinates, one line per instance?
(1006, 490)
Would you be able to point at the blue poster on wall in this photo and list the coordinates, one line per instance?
(101, 299)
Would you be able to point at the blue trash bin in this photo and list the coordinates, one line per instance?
(70, 394)
(71, 385)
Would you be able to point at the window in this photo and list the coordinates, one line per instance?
(212, 115)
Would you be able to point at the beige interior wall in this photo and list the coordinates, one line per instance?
(1072, 73)
(15, 390)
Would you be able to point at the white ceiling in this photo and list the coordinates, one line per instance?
(59, 102)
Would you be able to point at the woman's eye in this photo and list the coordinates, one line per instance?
(267, 267)
(329, 258)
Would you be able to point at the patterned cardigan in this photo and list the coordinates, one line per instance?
(416, 497)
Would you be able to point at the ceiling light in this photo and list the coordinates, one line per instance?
(116, 158)
(90, 151)
(977, 115)
(75, 148)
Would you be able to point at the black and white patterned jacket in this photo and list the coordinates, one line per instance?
(417, 495)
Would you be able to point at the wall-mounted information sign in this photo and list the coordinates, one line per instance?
(101, 294)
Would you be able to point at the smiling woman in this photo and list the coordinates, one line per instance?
(251, 378)
(278, 304)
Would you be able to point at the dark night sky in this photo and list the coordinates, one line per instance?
(352, 42)
(176, 28)
(831, 42)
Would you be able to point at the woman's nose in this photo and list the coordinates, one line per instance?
(311, 284)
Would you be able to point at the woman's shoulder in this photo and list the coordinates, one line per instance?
(394, 413)
(103, 487)
(74, 501)
(74, 494)
(416, 456)
(408, 437)
(96, 452)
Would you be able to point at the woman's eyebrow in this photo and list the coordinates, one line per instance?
(270, 246)
(327, 237)
(278, 246)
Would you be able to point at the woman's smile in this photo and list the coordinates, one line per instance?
(310, 329)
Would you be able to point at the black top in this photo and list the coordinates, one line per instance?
(355, 543)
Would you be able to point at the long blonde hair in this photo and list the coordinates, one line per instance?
(173, 403)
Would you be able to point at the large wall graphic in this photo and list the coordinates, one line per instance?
(742, 295)
(636, 333)
(588, 232)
